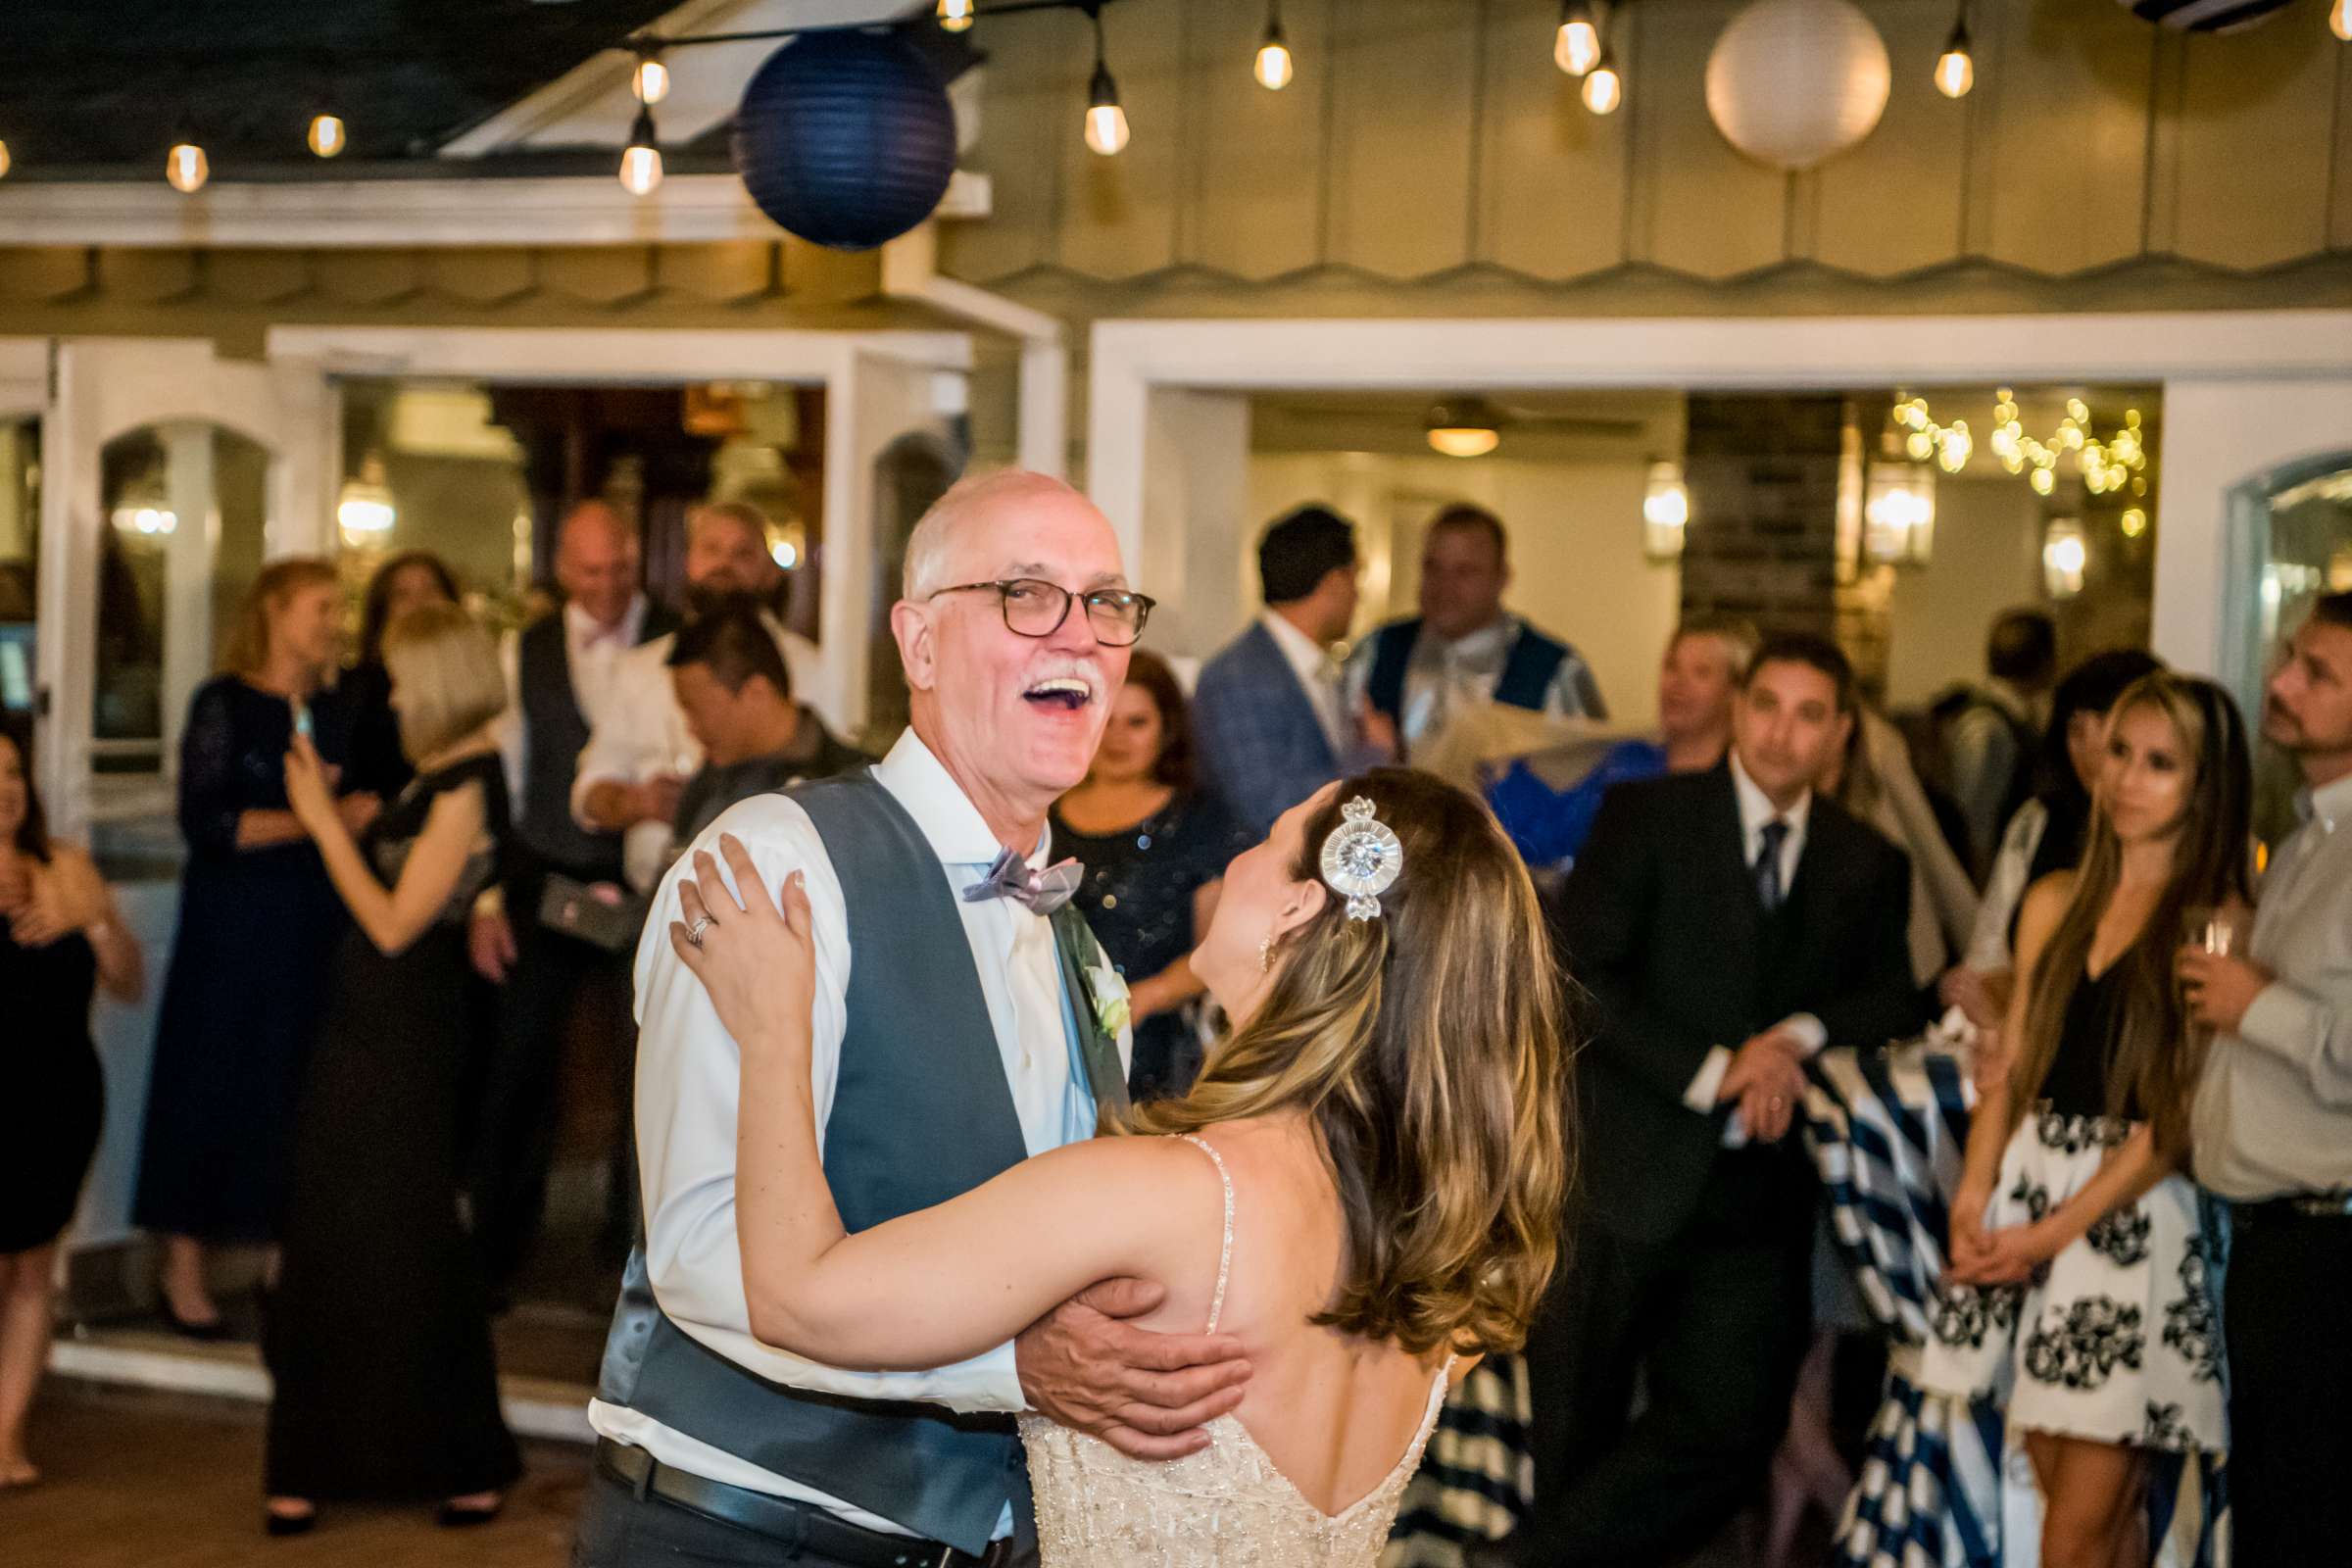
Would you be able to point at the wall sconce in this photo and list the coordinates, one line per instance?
(1465, 427)
(363, 510)
(1665, 513)
(2064, 552)
(1898, 516)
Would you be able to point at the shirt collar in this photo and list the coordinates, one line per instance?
(1502, 629)
(1757, 808)
(586, 630)
(1307, 655)
(949, 823)
(2328, 806)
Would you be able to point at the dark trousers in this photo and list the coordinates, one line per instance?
(514, 1133)
(1709, 1327)
(620, 1530)
(2284, 1314)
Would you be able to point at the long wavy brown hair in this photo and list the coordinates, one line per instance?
(2155, 1058)
(1428, 1047)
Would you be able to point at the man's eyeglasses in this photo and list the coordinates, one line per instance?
(1034, 607)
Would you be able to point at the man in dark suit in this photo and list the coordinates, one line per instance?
(1270, 715)
(1728, 925)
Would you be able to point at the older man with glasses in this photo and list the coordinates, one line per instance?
(955, 1035)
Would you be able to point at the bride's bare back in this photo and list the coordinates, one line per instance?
(1331, 1411)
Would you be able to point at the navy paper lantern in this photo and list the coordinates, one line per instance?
(2203, 16)
(846, 138)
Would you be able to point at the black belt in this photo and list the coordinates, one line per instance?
(2300, 1206)
(796, 1524)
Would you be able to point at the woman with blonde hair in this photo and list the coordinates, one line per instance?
(1364, 1186)
(377, 1336)
(257, 924)
(2081, 1274)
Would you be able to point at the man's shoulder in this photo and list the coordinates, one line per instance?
(1238, 660)
(1839, 831)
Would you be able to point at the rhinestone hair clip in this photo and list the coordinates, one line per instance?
(1361, 858)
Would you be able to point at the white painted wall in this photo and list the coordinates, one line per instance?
(1575, 547)
(2219, 433)
(1987, 558)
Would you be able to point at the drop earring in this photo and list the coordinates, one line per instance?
(1265, 955)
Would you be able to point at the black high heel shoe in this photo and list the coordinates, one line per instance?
(281, 1525)
(207, 1333)
(449, 1516)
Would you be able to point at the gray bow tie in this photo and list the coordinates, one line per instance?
(1042, 892)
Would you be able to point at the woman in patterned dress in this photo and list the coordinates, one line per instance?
(2079, 1270)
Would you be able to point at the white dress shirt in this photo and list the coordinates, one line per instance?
(592, 651)
(688, 1077)
(1317, 674)
(1755, 811)
(642, 734)
(2272, 1113)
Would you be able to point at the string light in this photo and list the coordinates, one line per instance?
(954, 16)
(1105, 120)
(1576, 48)
(3, 159)
(649, 81)
(186, 167)
(1274, 54)
(2339, 19)
(641, 160)
(1956, 69)
(1603, 88)
(328, 136)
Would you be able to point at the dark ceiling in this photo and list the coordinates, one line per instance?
(98, 87)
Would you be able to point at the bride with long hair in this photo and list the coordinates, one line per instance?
(1364, 1186)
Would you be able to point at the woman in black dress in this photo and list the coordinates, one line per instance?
(257, 924)
(1155, 847)
(406, 581)
(377, 1336)
(59, 934)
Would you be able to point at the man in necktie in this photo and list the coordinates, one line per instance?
(965, 1020)
(1728, 924)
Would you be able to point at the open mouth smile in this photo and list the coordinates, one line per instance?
(1064, 694)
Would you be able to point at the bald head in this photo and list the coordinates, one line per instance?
(596, 562)
(987, 501)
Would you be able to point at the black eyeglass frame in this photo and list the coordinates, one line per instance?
(1003, 589)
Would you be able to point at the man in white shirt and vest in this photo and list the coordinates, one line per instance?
(560, 682)
(954, 1036)
(2271, 1130)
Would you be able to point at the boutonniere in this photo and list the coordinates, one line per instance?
(1106, 996)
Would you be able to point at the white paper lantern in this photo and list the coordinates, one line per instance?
(1791, 82)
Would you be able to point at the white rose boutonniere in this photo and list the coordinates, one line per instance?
(1107, 990)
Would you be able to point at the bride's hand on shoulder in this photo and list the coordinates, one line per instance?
(756, 955)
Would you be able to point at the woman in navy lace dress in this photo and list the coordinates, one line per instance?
(1155, 847)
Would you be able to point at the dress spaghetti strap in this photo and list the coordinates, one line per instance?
(1216, 1305)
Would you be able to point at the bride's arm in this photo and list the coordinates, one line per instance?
(943, 1283)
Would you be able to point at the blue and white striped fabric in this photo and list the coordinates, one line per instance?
(1889, 1133)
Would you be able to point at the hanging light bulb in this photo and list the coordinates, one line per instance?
(1105, 120)
(3, 160)
(2339, 18)
(1955, 67)
(1576, 48)
(954, 16)
(649, 81)
(328, 136)
(186, 167)
(1603, 90)
(1274, 54)
(641, 160)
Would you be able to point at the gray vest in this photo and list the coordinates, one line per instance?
(921, 1114)
(555, 732)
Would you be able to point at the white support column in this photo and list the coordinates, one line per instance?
(194, 500)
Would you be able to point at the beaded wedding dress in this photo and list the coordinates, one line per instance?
(1224, 1508)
